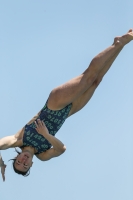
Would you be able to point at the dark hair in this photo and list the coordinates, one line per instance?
(16, 170)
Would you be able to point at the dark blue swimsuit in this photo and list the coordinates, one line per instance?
(53, 121)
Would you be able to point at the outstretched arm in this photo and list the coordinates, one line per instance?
(5, 143)
(58, 146)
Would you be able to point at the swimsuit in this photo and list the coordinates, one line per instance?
(53, 121)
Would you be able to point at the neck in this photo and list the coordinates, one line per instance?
(31, 150)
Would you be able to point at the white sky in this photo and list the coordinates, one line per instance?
(42, 45)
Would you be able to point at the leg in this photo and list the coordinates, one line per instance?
(80, 102)
(73, 89)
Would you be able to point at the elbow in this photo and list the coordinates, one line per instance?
(63, 149)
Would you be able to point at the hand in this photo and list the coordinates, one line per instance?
(3, 167)
(41, 128)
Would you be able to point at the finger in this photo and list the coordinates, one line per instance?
(43, 123)
(39, 122)
(36, 124)
(3, 176)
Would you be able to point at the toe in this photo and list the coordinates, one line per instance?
(130, 30)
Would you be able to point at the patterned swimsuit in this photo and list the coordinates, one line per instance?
(53, 121)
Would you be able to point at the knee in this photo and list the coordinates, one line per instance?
(91, 78)
(97, 81)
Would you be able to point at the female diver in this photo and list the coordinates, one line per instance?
(38, 136)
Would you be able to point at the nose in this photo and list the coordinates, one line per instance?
(23, 159)
(24, 162)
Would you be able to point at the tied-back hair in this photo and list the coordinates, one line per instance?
(25, 174)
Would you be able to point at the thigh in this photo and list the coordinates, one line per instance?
(80, 102)
(68, 92)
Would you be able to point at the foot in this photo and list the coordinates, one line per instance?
(124, 39)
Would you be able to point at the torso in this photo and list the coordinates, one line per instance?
(28, 136)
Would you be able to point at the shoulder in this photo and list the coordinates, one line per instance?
(15, 142)
(47, 155)
(18, 138)
(20, 133)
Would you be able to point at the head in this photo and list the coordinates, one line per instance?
(22, 163)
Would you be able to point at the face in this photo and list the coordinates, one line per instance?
(23, 161)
